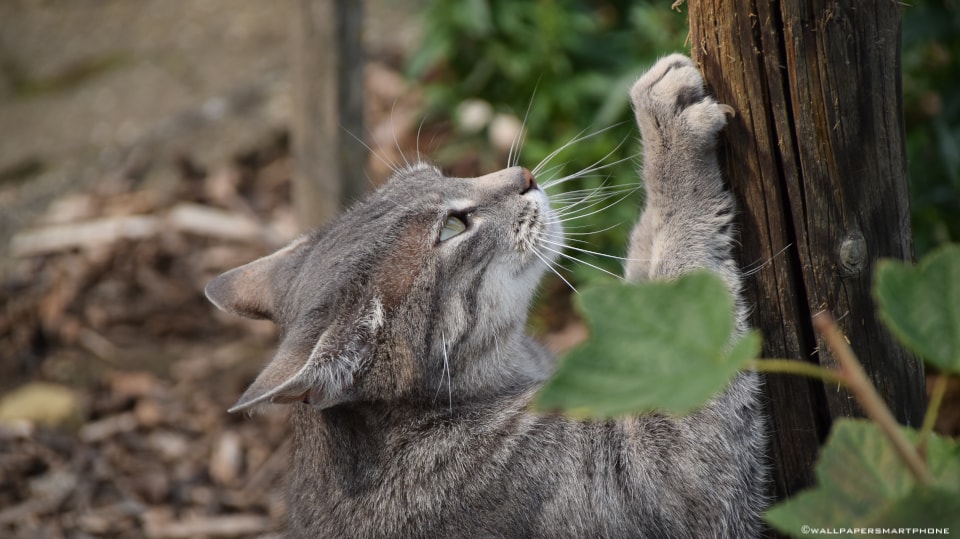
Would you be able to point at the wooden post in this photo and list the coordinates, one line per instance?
(328, 108)
(816, 159)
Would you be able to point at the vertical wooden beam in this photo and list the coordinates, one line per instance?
(816, 159)
(328, 108)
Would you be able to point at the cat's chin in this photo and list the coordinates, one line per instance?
(550, 241)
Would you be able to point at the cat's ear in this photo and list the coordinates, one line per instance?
(318, 371)
(252, 290)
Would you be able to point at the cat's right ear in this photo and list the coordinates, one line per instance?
(252, 290)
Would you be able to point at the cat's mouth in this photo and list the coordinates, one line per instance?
(538, 229)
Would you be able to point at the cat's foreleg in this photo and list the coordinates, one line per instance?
(687, 218)
(687, 223)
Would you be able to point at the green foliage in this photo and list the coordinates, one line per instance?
(662, 346)
(861, 483)
(570, 61)
(573, 60)
(931, 92)
(658, 345)
(922, 305)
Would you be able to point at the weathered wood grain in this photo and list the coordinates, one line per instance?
(817, 161)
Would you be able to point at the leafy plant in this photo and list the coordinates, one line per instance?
(663, 380)
(931, 96)
(922, 305)
(870, 475)
(862, 483)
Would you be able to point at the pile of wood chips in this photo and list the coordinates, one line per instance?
(116, 373)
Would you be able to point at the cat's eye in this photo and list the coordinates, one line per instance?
(453, 226)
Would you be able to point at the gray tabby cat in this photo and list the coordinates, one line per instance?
(405, 358)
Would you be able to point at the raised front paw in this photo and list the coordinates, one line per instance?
(671, 104)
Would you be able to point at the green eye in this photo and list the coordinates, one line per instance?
(452, 227)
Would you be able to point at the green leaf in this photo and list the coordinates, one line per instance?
(662, 345)
(922, 305)
(862, 483)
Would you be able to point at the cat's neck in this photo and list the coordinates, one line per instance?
(347, 442)
(512, 360)
(369, 433)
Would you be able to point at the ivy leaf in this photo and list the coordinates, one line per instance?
(661, 345)
(862, 483)
(922, 305)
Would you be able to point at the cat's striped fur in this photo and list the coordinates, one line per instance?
(409, 371)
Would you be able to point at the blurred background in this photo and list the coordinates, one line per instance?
(145, 147)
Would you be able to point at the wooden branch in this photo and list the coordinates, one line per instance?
(328, 109)
(85, 235)
(868, 397)
(184, 217)
(215, 526)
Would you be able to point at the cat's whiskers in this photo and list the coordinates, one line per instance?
(587, 251)
(446, 370)
(571, 208)
(392, 166)
(548, 178)
(579, 137)
(578, 204)
(574, 215)
(752, 269)
(393, 131)
(513, 156)
(596, 166)
(581, 213)
(587, 192)
(546, 160)
(581, 193)
(567, 233)
(417, 140)
(550, 266)
(568, 228)
(575, 240)
(584, 262)
(548, 175)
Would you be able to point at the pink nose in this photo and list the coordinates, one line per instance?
(528, 181)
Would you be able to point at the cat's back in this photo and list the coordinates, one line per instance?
(493, 468)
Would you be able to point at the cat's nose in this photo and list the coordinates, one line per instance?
(508, 180)
(528, 182)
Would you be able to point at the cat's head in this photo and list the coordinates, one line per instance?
(426, 274)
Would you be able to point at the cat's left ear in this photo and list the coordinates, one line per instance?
(253, 290)
(318, 370)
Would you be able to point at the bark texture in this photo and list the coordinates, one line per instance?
(816, 159)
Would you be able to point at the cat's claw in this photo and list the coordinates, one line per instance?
(670, 101)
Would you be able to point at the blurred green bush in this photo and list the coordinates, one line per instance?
(931, 95)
